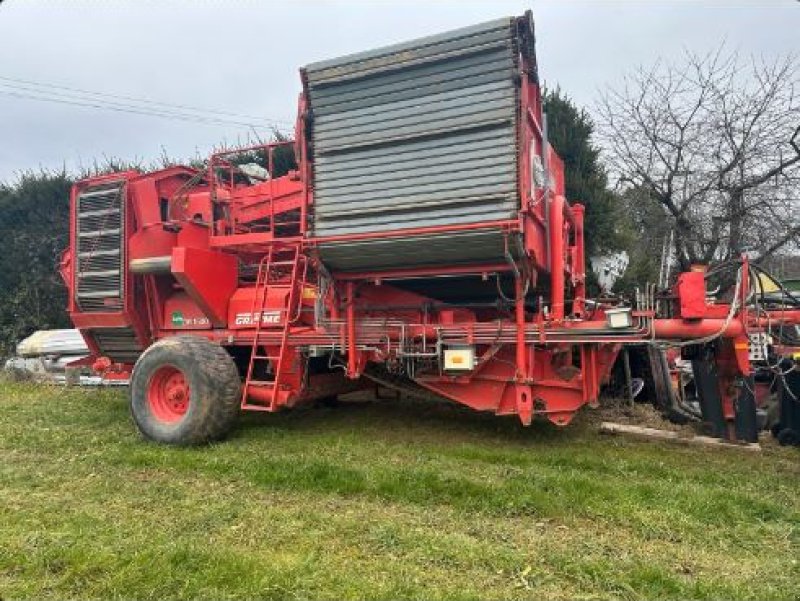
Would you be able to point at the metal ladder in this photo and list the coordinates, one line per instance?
(283, 267)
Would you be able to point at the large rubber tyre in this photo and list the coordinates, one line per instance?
(185, 390)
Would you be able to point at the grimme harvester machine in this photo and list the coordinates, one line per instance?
(420, 239)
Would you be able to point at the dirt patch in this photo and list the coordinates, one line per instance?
(640, 414)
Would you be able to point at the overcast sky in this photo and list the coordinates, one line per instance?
(242, 57)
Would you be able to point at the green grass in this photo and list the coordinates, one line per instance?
(381, 500)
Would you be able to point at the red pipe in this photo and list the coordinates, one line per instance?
(352, 363)
(745, 288)
(789, 316)
(681, 329)
(579, 269)
(522, 363)
(557, 258)
(672, 328)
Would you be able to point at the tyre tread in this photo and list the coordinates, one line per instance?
(219, 392)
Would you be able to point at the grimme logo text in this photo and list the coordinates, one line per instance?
(248, 319)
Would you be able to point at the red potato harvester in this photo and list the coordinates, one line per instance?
(414, 234)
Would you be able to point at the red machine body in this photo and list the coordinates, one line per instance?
(232, 258)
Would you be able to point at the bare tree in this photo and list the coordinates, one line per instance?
(715, 142)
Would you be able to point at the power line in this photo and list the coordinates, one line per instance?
(78, 97)
(82, 91)
(124, 107)
(127, 109)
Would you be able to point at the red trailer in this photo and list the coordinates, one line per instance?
(414, 234)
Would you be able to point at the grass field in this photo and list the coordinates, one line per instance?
(381, 500)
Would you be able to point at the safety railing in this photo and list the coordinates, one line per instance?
(237, 168)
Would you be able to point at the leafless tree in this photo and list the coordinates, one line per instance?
(714, 140)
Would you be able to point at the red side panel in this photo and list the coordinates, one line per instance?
(691, 291)
(208, 277)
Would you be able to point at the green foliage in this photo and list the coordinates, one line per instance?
(570, 131)
(34, 230)
(644, 233)
(380, 501)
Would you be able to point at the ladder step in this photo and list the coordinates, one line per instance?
(252, 407)
(271, 357)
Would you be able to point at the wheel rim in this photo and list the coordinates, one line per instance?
(168, 394)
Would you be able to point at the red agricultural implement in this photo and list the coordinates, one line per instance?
(414, 234)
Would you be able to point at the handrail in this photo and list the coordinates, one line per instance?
(218, 159)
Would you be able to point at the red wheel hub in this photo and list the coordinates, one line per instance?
(168, 394)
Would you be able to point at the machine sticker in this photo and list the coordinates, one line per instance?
(177, 319)
(249, 319)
